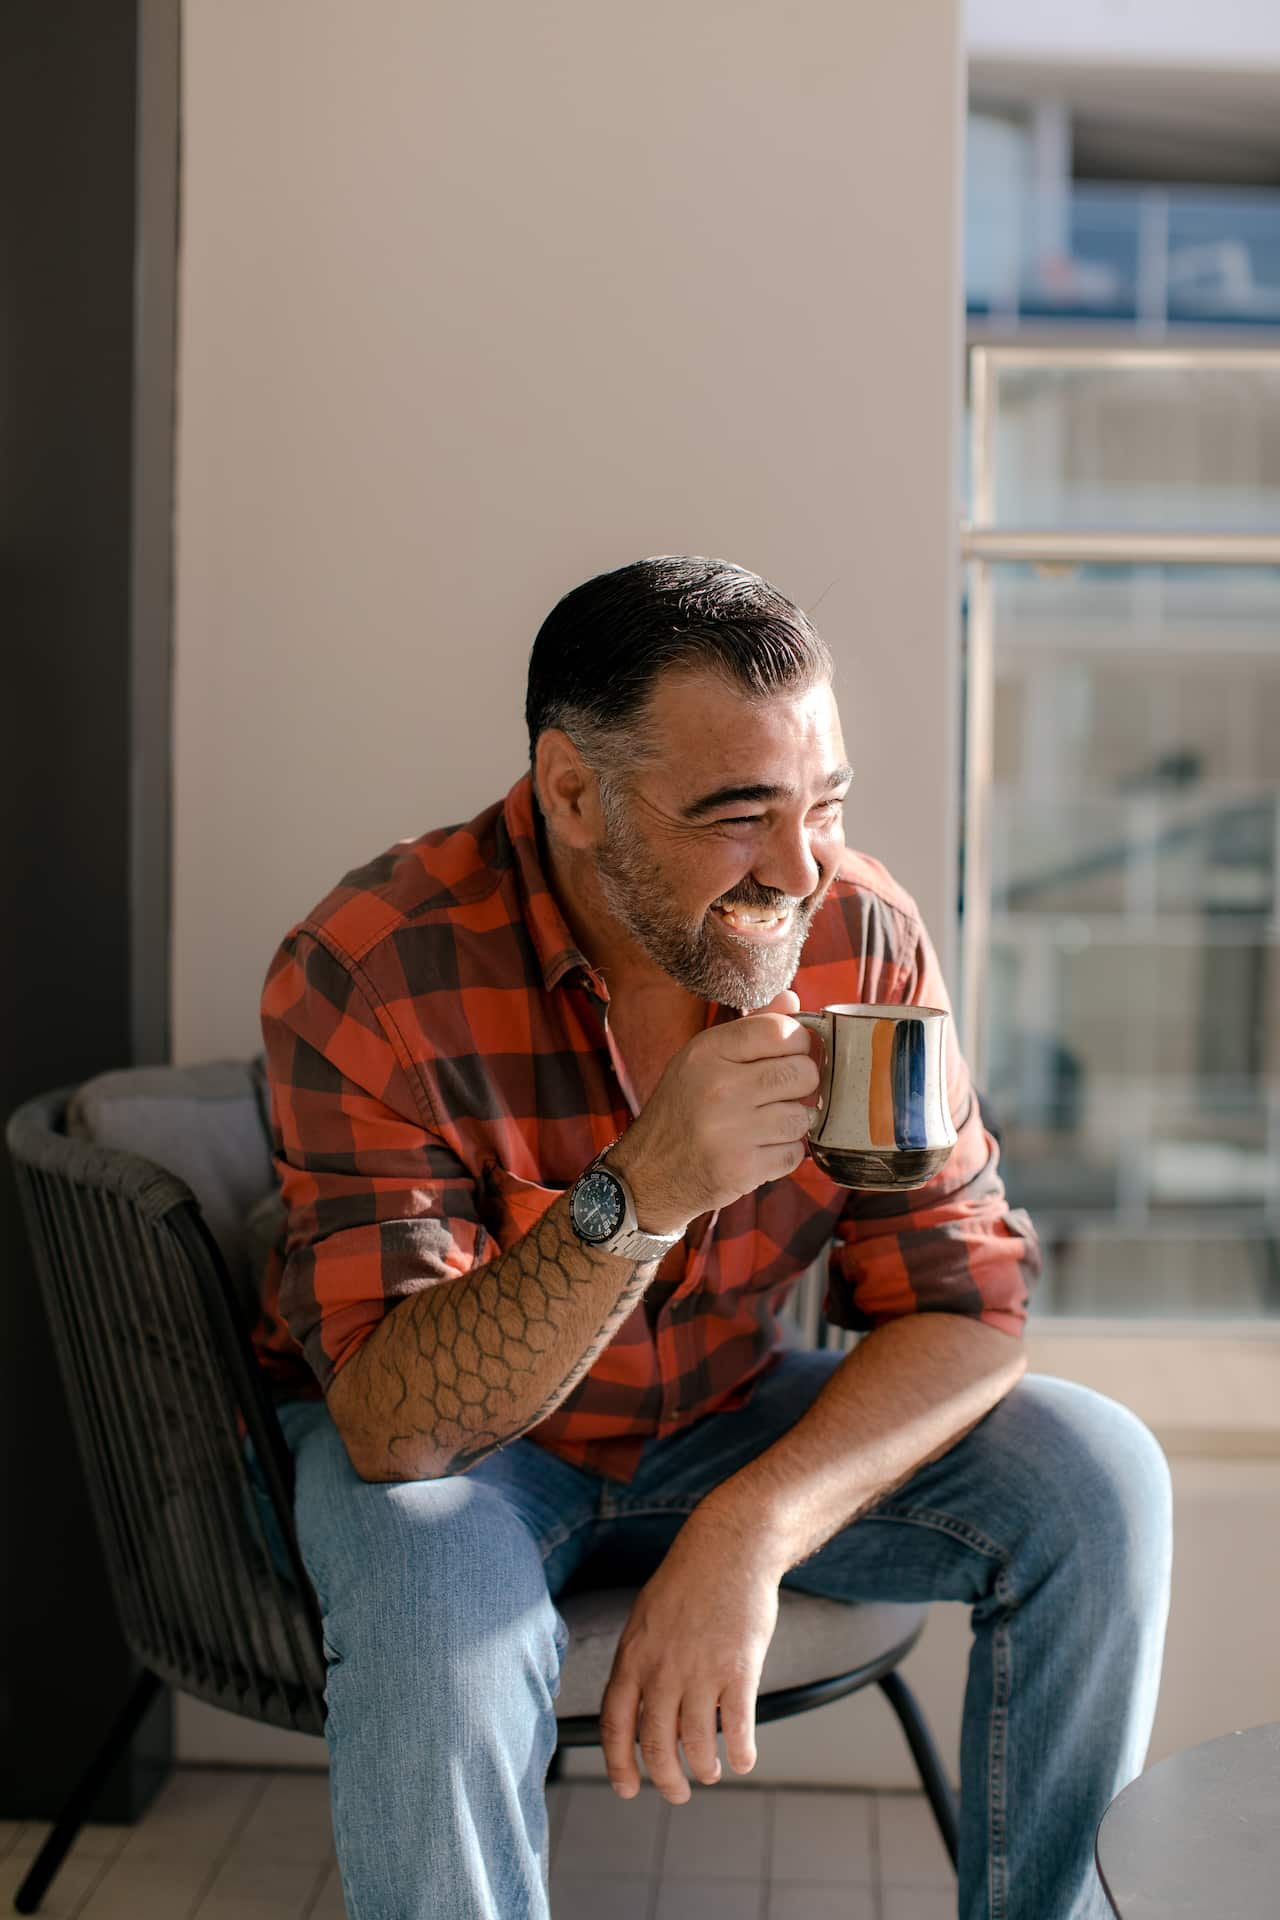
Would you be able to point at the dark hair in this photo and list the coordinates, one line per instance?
(600, 650)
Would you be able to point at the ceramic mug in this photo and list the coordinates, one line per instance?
(882, 1118)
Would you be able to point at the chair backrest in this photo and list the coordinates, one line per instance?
(204, 1123)
(153, 1346)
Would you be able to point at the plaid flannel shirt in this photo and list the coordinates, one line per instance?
(441, 1069)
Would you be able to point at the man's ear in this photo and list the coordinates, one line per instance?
(568, 791)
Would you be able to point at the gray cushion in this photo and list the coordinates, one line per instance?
(815, 1640)
(202, 1123)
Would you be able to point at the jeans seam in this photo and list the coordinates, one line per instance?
(1001, 1684)
(997, 1755)
(653, 1510)
(960, 1530)
(548, 1544)
(557, 1537)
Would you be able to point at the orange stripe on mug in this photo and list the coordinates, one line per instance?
(880, 1092)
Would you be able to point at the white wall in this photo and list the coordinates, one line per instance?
(478, 302)
(468, 314)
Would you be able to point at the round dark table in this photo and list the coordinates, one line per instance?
(1199, 1835)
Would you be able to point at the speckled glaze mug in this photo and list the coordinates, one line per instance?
(882, 1118)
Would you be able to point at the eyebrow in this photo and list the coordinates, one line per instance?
(727, 796)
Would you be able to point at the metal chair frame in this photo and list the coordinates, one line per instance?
(154, 1351)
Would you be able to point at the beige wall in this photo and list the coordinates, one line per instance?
(476, 302)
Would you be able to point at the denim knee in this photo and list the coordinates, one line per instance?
(1105, 1484)
(438, 1584)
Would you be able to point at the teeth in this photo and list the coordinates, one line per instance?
(751, 916)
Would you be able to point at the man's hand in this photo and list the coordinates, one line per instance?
(695, 1642)
(731, 1111)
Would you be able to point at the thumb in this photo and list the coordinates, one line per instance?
(785, 1002)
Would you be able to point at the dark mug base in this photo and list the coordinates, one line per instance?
(896, 1167)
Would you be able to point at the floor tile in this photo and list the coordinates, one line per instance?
(72, 1882)
(822, 1836)
(720, 1834)
(911, 1849)
(557, 1807)
(196, 1814)
(329, 1903)
(599, 1896)
(709, 1900)
(260, 1888)
(605, 1835)
(99, 1840)
(812, 1902)
(918, 1903)
(29, 1836)
(291, 1820)
(149, 1887)
(240, 1845)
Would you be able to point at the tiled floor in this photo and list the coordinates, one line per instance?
(220, 1845)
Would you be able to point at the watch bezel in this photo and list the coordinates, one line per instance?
(597, 1239)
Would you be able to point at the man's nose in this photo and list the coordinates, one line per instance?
(788, 864)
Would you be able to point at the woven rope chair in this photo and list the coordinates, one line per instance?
(150, 1310)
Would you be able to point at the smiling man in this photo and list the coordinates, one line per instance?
(540, 1111)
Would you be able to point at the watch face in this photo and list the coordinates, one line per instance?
(598, 1207)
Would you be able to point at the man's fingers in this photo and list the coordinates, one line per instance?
(618, 1736)
(698, 1737)
(658, 1749)
(738, 1724)
(775, 1163)
(761, 1036)
(786, 1121)
(788, 1076)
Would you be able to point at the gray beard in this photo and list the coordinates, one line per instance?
(705, 957)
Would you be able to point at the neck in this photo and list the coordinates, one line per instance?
(628, 971)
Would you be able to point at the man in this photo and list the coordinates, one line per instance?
(541, 1113)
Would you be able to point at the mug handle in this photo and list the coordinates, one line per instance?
(823, 1025)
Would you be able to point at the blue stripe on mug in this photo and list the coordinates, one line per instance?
(909, 1129)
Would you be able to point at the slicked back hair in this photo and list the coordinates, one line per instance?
(602, 648)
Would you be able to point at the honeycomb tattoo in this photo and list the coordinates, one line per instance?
(466, 1367)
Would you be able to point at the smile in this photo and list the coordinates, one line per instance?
(756, 923)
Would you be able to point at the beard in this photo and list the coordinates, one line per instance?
(704, 956)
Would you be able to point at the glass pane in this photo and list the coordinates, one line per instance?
(1133, 974)
(1150, 448)
(1167, 258)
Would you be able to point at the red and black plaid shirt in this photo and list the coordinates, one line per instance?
(441, 1069)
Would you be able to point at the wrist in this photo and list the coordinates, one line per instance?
(656, 1210)
(743, 1527)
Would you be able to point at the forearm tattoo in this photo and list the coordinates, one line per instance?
(463, 1368)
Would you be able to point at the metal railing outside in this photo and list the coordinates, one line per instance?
(985, 545)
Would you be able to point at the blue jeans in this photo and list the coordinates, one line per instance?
(1051, 1520)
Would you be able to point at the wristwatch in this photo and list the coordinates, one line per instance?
(602, 1208)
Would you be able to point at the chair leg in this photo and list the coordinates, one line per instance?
(925, 1755)
(80, 1801)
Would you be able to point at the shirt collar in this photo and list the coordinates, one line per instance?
(548, 929)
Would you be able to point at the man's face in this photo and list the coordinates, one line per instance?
(717, 854)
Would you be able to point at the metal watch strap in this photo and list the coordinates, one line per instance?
(632, 1243)
(640, 1247)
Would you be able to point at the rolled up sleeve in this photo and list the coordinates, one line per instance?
(953, 1245)
(378, 1206)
